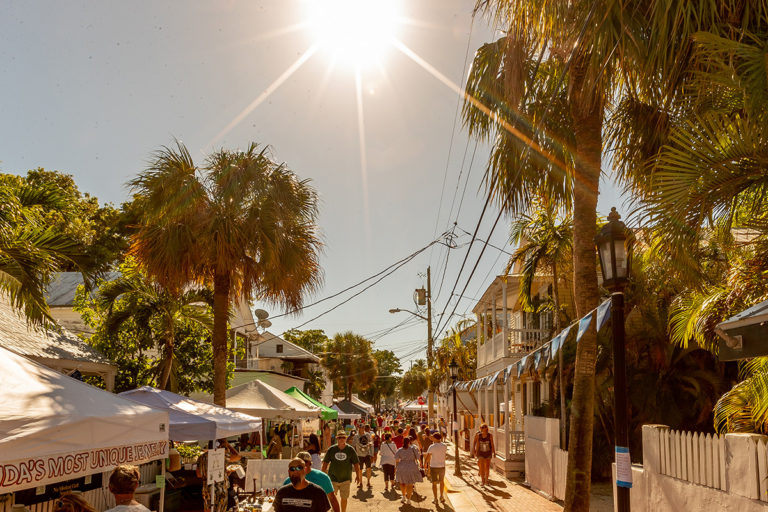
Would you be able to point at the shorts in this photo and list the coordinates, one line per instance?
(365, 462)
(342, 487)
(389, 472)
(437, 475)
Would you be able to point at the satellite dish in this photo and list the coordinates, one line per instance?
(261, 314)
(265, 324)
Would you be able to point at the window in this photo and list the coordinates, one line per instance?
(279, 348)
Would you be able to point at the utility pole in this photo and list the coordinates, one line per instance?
(430, 345)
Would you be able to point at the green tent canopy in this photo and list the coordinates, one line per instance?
(326, 413)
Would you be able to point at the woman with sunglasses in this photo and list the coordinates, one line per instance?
(484, 449)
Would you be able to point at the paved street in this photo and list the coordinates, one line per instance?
(464, 494)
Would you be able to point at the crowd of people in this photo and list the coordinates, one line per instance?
(320, 477)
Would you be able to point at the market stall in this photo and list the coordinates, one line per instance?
(191, 420)
(326, 413)
(346, 415)
(56, 428)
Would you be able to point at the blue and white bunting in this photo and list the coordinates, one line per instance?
(583, 326)
(603, 313)
(520, 365)
(537, 359)
(555, 344)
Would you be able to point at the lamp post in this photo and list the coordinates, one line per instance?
(615, 250)
(454, 369)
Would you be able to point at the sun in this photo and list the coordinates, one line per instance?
(355, 32)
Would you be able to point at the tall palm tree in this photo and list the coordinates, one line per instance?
(241, 224)
(134, 297)
(544, 240)
(745, 407)
(547, 85)
(31, 251)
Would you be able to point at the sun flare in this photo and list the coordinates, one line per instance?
(355, 32)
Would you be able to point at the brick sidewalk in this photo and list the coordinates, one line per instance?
(466, 494)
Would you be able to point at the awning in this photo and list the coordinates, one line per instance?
(744, 335)
(326, 413)
(345, 415)
(56, 428)
(351, 408)
(259, 399)
(191, 420)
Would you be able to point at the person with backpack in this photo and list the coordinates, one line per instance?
(363, 445)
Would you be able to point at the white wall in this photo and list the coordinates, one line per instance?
(744, 489)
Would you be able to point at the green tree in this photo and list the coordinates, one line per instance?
(385, 384)
(153, 338)
(31, 250)
(453, 347)
(414, 381)
(312, 339)
(744, 408)
(544, 242)
(350, 362)
(241, 224)
(133, 297)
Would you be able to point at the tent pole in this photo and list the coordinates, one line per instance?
(161, 506)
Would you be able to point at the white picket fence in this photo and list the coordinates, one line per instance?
(694, 457)
(761, 452)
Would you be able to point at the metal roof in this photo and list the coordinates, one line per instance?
(17, 336)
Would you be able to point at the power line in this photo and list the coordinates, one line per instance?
(399, 262)
(525, 155)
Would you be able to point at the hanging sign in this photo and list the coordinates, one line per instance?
(43, 470)
(216, 465)
(623, 467)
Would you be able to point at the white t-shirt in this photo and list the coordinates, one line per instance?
(387, 452)
(129, 508)
(437, 452)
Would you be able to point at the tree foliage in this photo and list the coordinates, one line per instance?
(241, 224)
(414, 381)
(350, 362)
(385, 384)
(153, 337)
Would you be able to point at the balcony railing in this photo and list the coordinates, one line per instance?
(520, 342)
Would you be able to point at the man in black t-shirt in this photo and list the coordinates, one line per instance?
(300, 495)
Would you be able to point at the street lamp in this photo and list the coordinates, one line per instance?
(615, 250)
(454, 369)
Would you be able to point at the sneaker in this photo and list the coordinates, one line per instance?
(402, 499)
(442, 499)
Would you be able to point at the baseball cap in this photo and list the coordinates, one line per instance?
(305, 456)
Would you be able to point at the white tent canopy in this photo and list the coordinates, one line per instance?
(368, 407)
(345, 415)
(193, 420)
(260, 399)
(56, 428)
(414, 406)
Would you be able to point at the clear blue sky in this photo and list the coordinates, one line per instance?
(92, 88)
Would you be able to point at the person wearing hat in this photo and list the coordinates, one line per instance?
(300, 495)
(318, 478)
(338, 463)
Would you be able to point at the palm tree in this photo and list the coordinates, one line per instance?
(745, 407)
(241, 224)
(31, 251)
(547, 131)
(544, 240)
(134, 297)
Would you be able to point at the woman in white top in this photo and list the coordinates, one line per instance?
(387, 452)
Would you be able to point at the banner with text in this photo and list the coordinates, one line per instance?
(35, 472)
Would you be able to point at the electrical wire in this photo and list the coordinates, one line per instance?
(442, 320)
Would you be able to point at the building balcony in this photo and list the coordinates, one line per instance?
(519, 343)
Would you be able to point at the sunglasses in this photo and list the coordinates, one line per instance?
(296, 468)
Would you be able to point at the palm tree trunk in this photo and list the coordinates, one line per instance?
(586, 107)
(221, 285)
(167, 364)
(560, 365)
